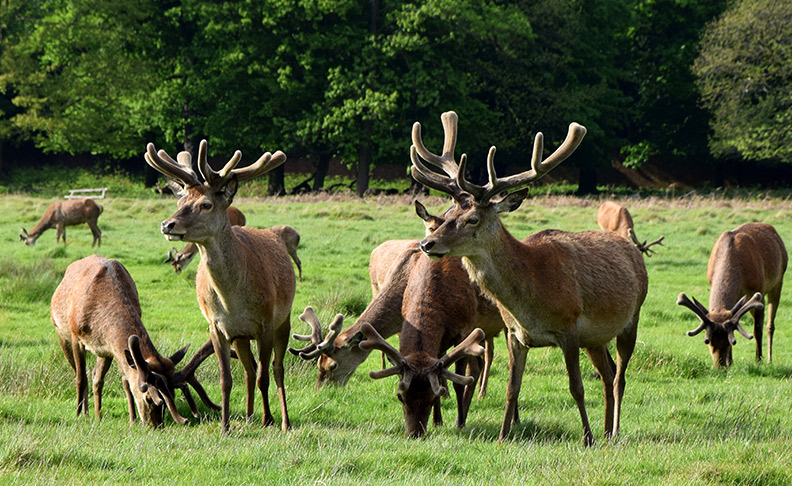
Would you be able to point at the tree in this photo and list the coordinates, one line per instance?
(744, 72)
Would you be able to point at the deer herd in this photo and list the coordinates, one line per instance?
(467, 280)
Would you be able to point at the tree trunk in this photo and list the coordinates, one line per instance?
(587, 182)
(364, 164)
(321, 171)
(276, 186)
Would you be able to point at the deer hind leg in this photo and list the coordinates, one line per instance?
(223, 351)
(437, 413)
(758, 317)
(625, 345)
(78, 351)
(265, 353)
(97, 234)
(600, 358)
(281, 343)
(99, 372)
(242, 347)
(517, 355)
(488, 356)
(571, 350)
(60, 233)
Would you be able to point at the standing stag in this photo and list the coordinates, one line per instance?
(245, 281)
(571, 290)
(96, 308)
(61, 214)
(746, 264)
(612, 216)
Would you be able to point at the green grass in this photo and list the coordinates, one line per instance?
(682, 422)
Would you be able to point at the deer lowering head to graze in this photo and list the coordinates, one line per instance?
(612, 216)
(291, 238)
(746, 264)
(61, 214)
(555, 288)
(96, 308)
(245, 281)
(179, 260)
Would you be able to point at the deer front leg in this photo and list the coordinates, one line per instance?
(600, 358)
(265, 353)
(758, 317)
(130, 400)
(82, 379)
(97, 234)
(223, 352)
(99, 372)
(466, 367)
(60, 233)
(242, 347)
(571, 349)
(517, 355)
(771, 308)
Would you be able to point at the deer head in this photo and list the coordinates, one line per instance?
(421, 381)
(203, 206)
(322, 348)
(719, 326)
(431, 222)
(474, 218)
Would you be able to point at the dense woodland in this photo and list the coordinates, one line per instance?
(681, 83)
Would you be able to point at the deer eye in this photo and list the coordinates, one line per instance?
(472, 221)
(206, 206)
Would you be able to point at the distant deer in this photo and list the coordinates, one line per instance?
(61, 214)
(245, 281)
(291, 238)
(96, 308)
(571, 290)
(612, 216)
(746, 264)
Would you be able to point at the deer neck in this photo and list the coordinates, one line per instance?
(218, 255)
(726, 288)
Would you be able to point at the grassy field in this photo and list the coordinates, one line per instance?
(682, 422)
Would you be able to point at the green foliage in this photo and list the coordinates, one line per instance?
(744, 73)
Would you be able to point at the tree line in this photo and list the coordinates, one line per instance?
(681, 81)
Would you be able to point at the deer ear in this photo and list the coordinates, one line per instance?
(512, 201)
(228, 191)
(129, 359)
(420, 210)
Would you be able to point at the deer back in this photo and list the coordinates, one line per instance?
(751, 258)
(76, 211)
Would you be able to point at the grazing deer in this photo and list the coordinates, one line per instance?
(746, 264)
(61, 214)
(96, 308)
(555, 288)
(291, 238)
(612, 216)
(245, 281)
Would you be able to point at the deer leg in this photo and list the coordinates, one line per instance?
(265, 353)
(517, 355)
(60, 232)
(488, 356)
(471, 367)
(130, 400)
(99, 372)
(281, 343)
(437, 413)
(97, 235)
(772, 307)
(571, 350)
(600, 358)
(242, 347)
(82, 379)
(223, 352)
(758, 317)
(625, 345)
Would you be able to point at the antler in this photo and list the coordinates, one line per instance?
(700, 311)
(375, 341)
(153, 384)
(644, 247)
(739, 309)
(468, 347)
(182, 170)
(187, 376)
(455, 183)
(318, 345)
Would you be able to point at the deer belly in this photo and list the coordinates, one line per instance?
(598, 333)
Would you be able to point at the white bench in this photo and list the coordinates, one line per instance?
(89, 193)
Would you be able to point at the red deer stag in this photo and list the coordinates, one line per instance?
(179, 260)
(746, 264)
(245, 281)
(571, 290)
(612, 216)
(61, 214)
(96, 308)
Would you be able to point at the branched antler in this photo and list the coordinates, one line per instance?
(318, 345)
(186, 376)
(375, 341)
(644, 247)
(455, 184)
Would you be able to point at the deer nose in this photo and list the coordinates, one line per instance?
(426, 246)
(167, 226)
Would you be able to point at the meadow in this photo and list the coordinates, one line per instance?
(682, 423)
